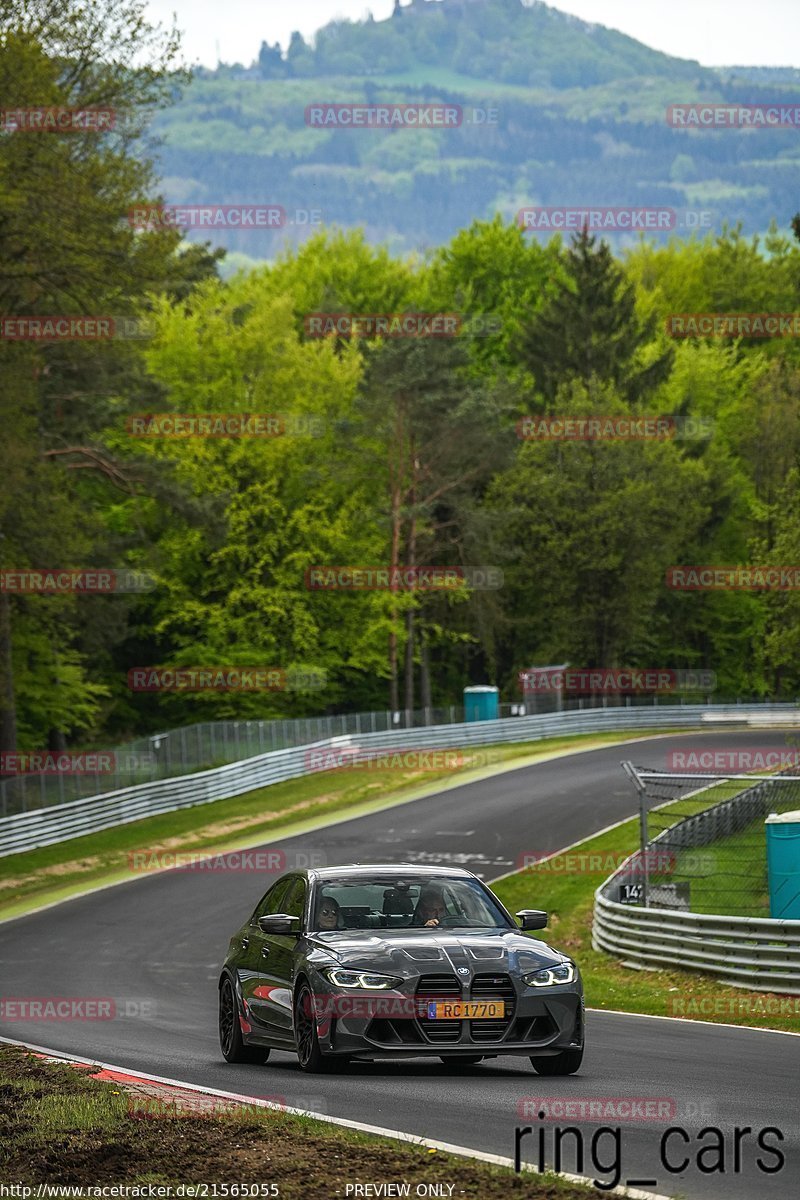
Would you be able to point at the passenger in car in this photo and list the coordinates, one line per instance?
(328, 914)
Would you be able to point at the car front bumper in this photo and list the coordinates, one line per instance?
(540, 1025)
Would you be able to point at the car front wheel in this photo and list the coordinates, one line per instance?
(309, 1052)
(565, 1063)
(230, 1031)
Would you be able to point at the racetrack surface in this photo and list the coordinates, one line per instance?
(155, 945)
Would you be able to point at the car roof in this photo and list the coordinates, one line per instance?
(398, 869)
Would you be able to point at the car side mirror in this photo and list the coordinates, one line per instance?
(532, 918)
(279, 923)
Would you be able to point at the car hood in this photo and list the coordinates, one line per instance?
(409, 952)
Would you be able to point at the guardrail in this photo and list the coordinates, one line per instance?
(173, 753)
(760, 953)
(44, 826)
(199, 747)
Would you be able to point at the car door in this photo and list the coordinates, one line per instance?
(276, 965)
(251, 961)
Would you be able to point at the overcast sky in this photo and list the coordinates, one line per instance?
(716, 32)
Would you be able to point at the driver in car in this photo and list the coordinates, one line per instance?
(328, 914)
(430, 909)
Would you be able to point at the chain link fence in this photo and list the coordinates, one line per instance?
(198, 748)
(210, 744)
(703, 841)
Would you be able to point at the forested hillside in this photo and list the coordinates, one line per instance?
(579, 118)
(389, 451)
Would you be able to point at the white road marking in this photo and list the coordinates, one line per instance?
(617, 1012)
(396, 1134)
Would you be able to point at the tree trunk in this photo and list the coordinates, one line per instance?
(396, 515)
(425, 676)
(8, 709)
(412, 562)
(56, 741)
(409, 675)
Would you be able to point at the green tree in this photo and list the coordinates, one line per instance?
(598, 524)
(492, 269)
(436, 437)
(782, 640)
(66, 247)
(270, 62)
(591, 331)
(233, 586)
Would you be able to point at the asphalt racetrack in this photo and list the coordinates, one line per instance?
(156, 944)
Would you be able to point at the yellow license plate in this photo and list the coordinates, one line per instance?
(463, 1010)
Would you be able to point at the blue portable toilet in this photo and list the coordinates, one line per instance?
(481, 703)
(783, 865)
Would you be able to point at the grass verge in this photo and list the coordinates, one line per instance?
(60, 1125)
(36, 877)
(568, 897)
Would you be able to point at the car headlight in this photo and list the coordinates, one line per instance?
(550, 976)
(342, 977)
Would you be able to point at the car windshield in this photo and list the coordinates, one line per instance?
(405, 902)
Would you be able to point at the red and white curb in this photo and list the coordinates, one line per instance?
(167, 1096)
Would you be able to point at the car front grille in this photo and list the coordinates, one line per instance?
(439, 987)
(492, 987)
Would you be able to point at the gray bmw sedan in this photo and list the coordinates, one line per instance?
(398, 961)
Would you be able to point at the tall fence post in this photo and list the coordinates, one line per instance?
(644, 865)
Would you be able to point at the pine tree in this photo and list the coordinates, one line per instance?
(270, 62)
(590, 330)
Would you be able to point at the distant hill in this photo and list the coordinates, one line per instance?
(580, 120)
(499, 40)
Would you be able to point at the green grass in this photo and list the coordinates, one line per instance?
(51, 873)
(733, 878)
(59, 1125)
(729, 876)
